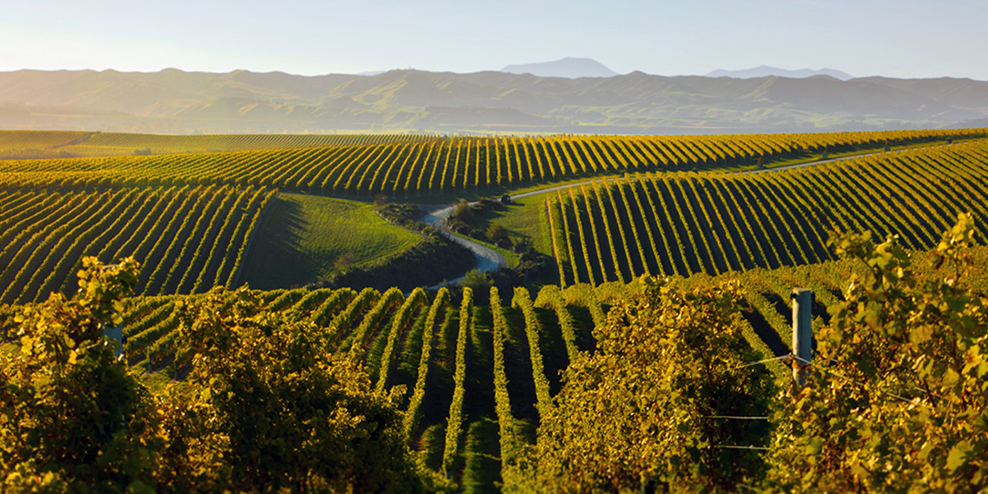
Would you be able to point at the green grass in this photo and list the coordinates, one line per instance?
(306, 238)
(523, 219)
(482, 453)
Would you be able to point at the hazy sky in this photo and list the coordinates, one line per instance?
(897, 38)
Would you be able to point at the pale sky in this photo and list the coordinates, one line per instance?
(895, 38)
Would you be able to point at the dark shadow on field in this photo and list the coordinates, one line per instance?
(784, 309)
(518, 367)
(764, 330)
(439, 382)
(482, 469)
(484, 220)
(275, 259)
(553, 348)
(583, 321)
(478, 398)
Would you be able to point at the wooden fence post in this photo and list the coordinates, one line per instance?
(802, 332)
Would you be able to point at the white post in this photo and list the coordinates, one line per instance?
(802, 331)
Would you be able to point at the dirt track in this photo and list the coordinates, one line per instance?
(488, 259)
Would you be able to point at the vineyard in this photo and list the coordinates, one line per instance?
(189, 217)
(25, 143)
(438, 166)
(466, 366)
(190, 238)
(686, 223)
(478, 375)
(480, 370)
(42, 144)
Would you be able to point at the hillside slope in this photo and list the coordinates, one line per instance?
(241, 101)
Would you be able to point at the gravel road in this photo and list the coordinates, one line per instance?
(487, 258)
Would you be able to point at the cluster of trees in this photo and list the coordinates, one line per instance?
(469, 219)
(263, 404)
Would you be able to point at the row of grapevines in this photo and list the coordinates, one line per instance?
(549, 296)
(28, 260)
(372, 321)
(249, 229)
(399, 323)
(414, 412)
(340, 325)
(502, 400)
(309, 302)
(763, 289)
(340, 299)
(99, 232)
(454, 423)
(557, 236)
(523, 301)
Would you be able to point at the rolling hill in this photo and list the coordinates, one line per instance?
(172, 101)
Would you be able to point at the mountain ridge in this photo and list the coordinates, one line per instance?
(767, 71)
(174, 101)
(568, 67)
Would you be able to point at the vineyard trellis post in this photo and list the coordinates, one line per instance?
(802, 332)
(115, 333)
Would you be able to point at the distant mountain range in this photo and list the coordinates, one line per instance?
(766, 71)
(568, 67)
(173, 101)
(574, 68)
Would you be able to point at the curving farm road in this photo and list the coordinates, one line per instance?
(487, 258)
